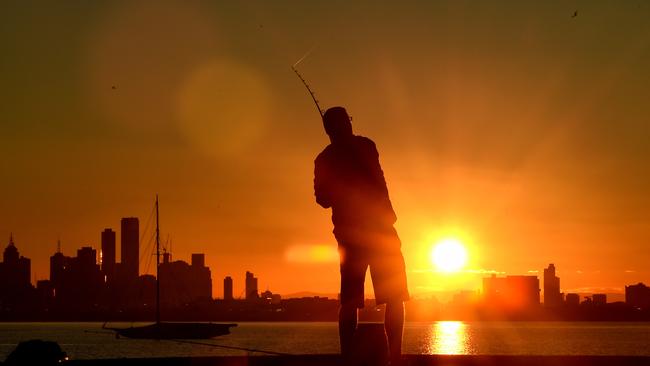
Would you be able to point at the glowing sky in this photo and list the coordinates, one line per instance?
(513, 125)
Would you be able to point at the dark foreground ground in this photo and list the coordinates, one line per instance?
(409, 360)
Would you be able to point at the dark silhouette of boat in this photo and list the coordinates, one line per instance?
(171, 330)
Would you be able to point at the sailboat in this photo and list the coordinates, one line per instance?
(171, 330)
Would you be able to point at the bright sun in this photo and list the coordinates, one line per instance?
(449, 255)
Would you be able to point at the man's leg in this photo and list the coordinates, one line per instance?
(347, 327)
(353, 274)
(394, 324)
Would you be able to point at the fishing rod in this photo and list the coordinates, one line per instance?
(313, 96)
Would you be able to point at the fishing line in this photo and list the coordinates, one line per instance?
(232, 347)
(304, 56)
(99, 332)
(208, 345)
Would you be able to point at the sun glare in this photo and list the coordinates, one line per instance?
(449, 255)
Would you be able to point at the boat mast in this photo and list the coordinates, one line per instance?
(157, 265)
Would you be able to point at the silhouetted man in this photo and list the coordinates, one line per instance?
(349, 179)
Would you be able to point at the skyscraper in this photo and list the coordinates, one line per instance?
(108, 254)
(59, 264)
(15, 270)
(251, 286)
(638, 296)
(227, 288)
(130, 243)
(198, 259)
(552, 295)
(201, 276)
(15, 281)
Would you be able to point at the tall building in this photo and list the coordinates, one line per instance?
(552, 295)
(108, 254)
(202, 276)
(198, 259)
(511, 292)
(251, 286)
(638, 296)
(15, 270)
(59, 264)
(16, 290)
(130, 243)
(227, 288)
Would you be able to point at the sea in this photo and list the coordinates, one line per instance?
(90, 341)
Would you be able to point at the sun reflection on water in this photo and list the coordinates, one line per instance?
(448, 338)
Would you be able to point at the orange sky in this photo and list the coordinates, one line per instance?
(512, 125)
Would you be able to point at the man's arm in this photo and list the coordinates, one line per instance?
(321, 177)
(380, 181)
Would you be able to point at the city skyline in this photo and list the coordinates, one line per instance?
(80, 288)
(549, 293)
(515, 127)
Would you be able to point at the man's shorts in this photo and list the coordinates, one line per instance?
(384, 257)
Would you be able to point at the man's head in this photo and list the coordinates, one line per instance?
(337, 124)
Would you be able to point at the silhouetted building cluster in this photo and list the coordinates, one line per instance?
(517, 297)
(81, 286)
(511, 292)
(522, 292)
(81, 283)
(251, 290)
(94, 286)
(183, 283)
(85, 288)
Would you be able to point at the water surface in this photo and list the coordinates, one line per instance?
(89, 341)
